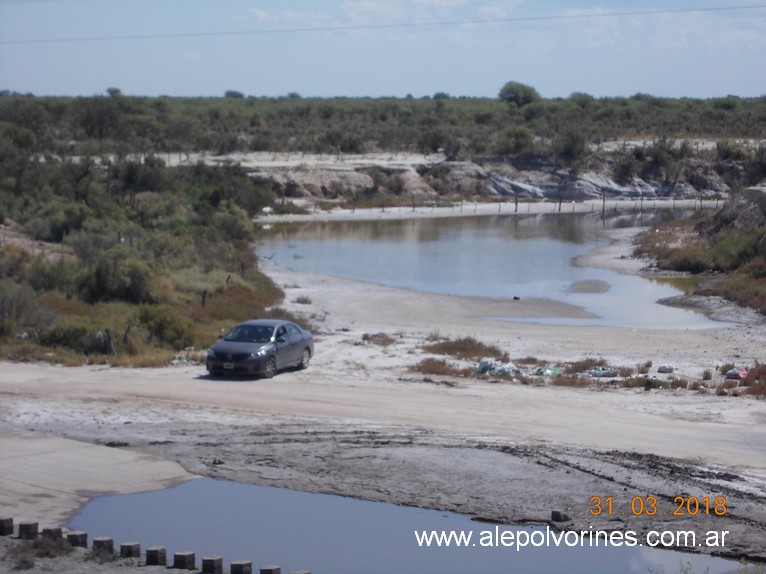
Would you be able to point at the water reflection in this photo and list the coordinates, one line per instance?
(501, 256)
(335, 535)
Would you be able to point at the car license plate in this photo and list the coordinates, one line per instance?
(228, 365)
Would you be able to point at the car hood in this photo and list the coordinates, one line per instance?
(225, 347)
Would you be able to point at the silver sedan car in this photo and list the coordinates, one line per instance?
(261, 347)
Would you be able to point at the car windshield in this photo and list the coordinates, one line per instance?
(250, 334)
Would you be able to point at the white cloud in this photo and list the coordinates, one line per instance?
(370, 11)
(257, 14)
(442, 3)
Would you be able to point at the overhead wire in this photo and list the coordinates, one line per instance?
(382, 26)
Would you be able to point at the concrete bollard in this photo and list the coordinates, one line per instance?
(130, 550)
(6, 526)
(28, 530)
(212, 565)
(78, 539)
(53, 533)
(184, 561)
(558, 516)
(271, 569)
(156, 556)
(241, 567)
(103, 544)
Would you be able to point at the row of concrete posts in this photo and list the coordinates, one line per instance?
(155, 555)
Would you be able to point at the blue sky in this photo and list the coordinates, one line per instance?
(327, 48)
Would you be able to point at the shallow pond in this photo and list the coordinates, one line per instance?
(500, 256)
(335, 535)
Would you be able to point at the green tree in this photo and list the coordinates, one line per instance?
(518, 95)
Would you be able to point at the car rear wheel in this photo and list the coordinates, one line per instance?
(305, 359)
(271, 368)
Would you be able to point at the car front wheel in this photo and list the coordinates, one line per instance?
(271, 368)
(305, 359)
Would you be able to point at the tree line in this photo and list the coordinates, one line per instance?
(120, 124)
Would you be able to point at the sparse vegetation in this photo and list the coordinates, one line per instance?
(382, 339)
(733, 257)
(22, 555)
(584, 365)
(570, 381)
(465, 348)
(440, 367)
(644, 368)
(135, 224)
(530, 361)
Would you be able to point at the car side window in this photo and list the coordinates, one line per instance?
(295, 333)
(281, 332)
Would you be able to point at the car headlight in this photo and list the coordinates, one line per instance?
(262, 352)
(210, 354)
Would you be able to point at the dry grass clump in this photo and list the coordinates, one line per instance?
(644, 368)
(23, 554)
(467, 348)
(624, 372)
(531, 361)
(756, 380)
(571, 381)
(584, 365)
(638, 382)
(440, 367)
(382, 339)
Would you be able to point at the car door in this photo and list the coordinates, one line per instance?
(282, 343)
(296, 344)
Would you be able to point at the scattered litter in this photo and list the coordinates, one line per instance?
(602, 372)
(181, 361)
(488, 366)
(736, 374)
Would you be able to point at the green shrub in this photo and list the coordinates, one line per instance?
(116, 277)
(515, 140)
(77, 338)
(626, 168)
(727, 150)
(572, 145)
(59, 276)
(19, 309)
(167, 325)
(734, 250)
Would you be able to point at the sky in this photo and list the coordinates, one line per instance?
(376, 48)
